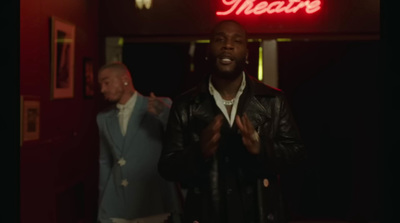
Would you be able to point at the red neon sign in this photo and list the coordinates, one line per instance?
(249, 7)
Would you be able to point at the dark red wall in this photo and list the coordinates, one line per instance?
(65, 156)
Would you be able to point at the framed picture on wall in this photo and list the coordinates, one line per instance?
(30, 118)
(88, 78)
(62, 58)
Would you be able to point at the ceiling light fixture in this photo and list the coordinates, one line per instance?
(143, 4)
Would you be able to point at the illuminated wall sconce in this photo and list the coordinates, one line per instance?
(143, 4)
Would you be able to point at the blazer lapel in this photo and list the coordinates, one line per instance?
(139, 111)
(114, 129)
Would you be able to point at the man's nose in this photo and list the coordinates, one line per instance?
(228, 45)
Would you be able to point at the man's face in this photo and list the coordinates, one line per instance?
(228, 50)
(111, 85)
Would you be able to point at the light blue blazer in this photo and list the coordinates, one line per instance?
(146, 193)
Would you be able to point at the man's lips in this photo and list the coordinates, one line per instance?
(225, 60)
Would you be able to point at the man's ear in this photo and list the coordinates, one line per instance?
(125, 79)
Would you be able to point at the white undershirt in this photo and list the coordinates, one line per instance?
(125, 112)
(219, 100)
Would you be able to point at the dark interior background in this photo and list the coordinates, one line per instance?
(332, 87)
(334, 94)
(167, 69)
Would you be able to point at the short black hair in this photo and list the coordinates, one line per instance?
(225, 21)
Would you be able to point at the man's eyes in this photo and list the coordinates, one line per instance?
(221, 39)
(218, 39)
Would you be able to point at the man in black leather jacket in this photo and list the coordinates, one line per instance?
(229, 138)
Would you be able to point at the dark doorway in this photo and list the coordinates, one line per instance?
(333, 89)
(157, 67)
(168, 68)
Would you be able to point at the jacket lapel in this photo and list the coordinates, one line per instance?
(114, 129)
(256, 112)
(250, 105)
(204, 108)
(139, 111)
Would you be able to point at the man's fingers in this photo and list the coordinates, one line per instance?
(242, 123)
(215, 137)
(249, 125)
(245, 126)
(250, 137)
(211, 135)
(239, 122)
(219, 118)
(217, 123)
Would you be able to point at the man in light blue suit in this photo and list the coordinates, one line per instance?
(131, 133)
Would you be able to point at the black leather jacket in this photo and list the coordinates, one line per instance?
(233, 185)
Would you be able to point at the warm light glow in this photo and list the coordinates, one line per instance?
(143, 3)
(248, 7)
(121, 41)
(139, 3)
(260, 63)
(203, 41)
(147, 3)
(283, 39)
